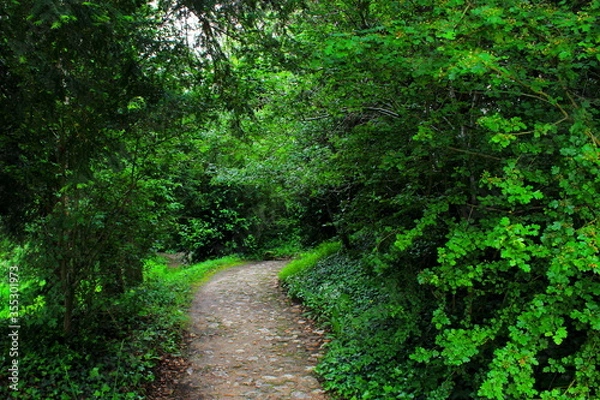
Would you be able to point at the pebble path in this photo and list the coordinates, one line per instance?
(249, 341)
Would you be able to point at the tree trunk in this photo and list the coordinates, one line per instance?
(69, 300)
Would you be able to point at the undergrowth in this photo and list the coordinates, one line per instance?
(115, 350)
(373, 320)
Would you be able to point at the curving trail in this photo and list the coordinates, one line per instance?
(248, 341)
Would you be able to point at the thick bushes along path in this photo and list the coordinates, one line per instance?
(249, 341)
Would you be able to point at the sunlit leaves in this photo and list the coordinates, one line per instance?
(502, 127)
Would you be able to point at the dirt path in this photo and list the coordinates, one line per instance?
(249, 341)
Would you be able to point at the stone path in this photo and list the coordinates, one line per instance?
(249, 341)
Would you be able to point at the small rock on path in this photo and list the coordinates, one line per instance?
(249, 341)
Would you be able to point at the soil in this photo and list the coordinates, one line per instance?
(246, 341)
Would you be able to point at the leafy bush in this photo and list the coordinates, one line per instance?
(488, 168)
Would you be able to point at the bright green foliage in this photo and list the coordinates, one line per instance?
(308, 260)
(188, 276)
(463, 136)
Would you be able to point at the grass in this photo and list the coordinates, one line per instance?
(193, 275)
(118, 347)
(308, 260)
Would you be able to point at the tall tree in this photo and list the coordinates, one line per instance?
(80, 83)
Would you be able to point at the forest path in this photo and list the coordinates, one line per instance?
(249, 341)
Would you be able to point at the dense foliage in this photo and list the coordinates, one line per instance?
(102, 107)
(451, 147)
(116, 353)
(374, 321)
(464, 138)
(79, 92)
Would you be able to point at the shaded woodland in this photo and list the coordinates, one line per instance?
(441, 156)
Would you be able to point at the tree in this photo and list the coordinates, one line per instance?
(80, 84)
(462, 138)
